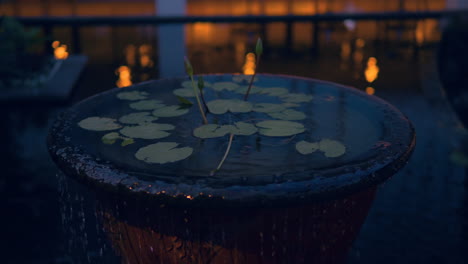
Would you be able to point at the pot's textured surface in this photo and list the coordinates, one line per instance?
(374, 140)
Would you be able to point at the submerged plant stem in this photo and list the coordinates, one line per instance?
(205, 121)
(231, 137)
(252, 79)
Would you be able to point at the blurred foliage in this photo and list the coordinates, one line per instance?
(20, 49)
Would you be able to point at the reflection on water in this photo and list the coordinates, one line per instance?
(372, 70)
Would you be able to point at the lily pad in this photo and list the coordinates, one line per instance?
(279, 128)
(243, 78)
(228, 86)
(332, 148)
(253, 90)
(96, 123)
(305, 147)
(288, 114)
(127, 141)
(146, 105)
(188, 84)
(221, 106)
(184, 92)
(213, 130)
(132, 96)
(137, 118)
(296, 98)
(170, 111)
(110, 138)
(147, 131)
(163, 152)
(268, 108)
(275, 91)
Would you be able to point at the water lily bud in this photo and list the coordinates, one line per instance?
(188, 66)
(259, 47)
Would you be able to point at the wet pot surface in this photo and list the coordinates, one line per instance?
(301, 170)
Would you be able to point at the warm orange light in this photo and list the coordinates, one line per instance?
(370, 90)
(249, 66)
(145, 55)
(60, 51)
(372, 70)
(130, 54)
(125, 76)
(360, 43)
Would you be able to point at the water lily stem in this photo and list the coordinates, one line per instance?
(204, 102)
(231, 137)
(252, 79)
(205, 121)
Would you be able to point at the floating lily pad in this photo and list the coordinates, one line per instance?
(296, 98)
(110, 138)
(275, 91)
(288, 114)
(268, 108)
(127, 141)
(184, 92)
(234, 105)
(163, 152)
(279, 128)
(137, 118)
(213, 130)
(147, 131)
(146, 105)
(170, 111)
(243, 78)
(243, 129)
(305, 147)
(96, 123)
(228, 86)
(253, 90)
(188, 84)
(332, 148)
(291, 104)
(132, 96)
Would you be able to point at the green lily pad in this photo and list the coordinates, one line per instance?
(275, 91)
(305, 147)
(137, 118)
(163, 152)
(96, 123)
(132, 96)
(147, 131)
(279, 128)
(253, 90)
(268, 108)
(243, 78)
(221, 106)
(170, 111)
(288, 114)
(184, 92)
(188, 84)
(296, 98)
(291, 105)
(243, 129)
(110, 138)
(228, 86)
(213, 130)
(146, 105)
(332, 148)
(127, 141)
